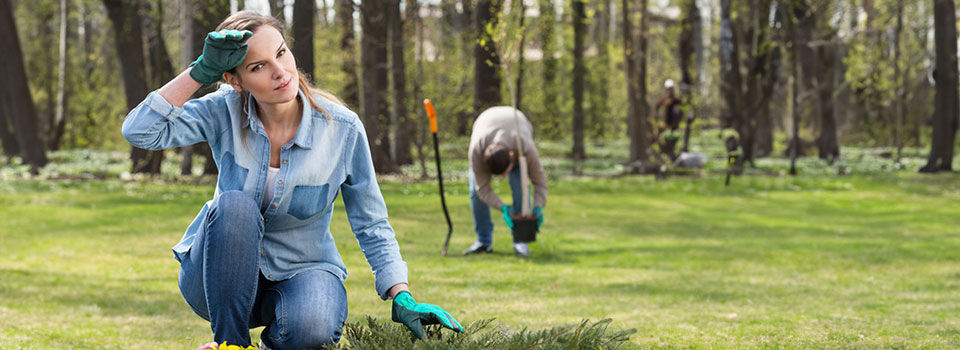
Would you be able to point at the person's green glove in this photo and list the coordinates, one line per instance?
(506, 216)
(415, 316)
(222, 51)
(538, 212)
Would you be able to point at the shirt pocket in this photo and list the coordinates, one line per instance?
(308, 201)
(232, 175)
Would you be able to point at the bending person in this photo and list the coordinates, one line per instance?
(493, 151)
(260, 253)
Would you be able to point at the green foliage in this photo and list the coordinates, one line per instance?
(870, 71)
(373, 334)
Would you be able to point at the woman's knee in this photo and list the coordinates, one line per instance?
(234, 205)
(314, 331)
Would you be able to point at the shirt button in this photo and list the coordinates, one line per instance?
(280, 182)
(284, 161)
(271, 275)
(264, 167)
(266, 220)
(274, 206)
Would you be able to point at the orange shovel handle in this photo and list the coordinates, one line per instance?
(432, 114)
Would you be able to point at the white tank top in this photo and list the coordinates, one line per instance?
(271, 186)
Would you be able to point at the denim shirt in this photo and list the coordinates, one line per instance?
(328, 155)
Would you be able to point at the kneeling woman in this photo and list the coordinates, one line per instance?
(260, 253)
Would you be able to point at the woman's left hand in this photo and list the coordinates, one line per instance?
(415, 315)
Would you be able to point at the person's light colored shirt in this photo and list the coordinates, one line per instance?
(329, 155)
(497, 125)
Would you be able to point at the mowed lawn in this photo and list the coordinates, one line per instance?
(773, 262)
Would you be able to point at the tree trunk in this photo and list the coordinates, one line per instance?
(420, 140)
(519, 80)
(15, 100)
(731, 86)
(638, 126)
(375, 112)
(59, 121)
(827, 144)
(689, 38)
(125, 16)
(598, 80)
(304, 12)
(946, 99)
(579, 71)
(351, 89)
(486, 60)
(899, 82)
(551, 99)
(404, 128)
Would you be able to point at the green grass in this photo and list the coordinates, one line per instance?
(774, 262)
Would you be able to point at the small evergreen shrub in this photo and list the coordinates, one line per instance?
(483, 334)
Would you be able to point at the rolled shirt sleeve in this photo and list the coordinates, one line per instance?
(157, 124)
(367, 214)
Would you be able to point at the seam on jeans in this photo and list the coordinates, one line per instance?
(280, 318)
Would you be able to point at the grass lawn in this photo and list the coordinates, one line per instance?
(775, 262)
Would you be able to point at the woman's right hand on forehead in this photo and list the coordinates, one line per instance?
(222, 51)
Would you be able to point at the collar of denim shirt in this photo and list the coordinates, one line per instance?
(304, 131)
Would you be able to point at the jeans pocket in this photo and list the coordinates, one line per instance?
(308, 201)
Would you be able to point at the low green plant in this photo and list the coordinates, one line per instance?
(483, 334)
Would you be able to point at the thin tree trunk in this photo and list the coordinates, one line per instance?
(304, 24)
(579, 71)
(15, 99)
(375, 112)
(689, 40)
(59, 118)
(403, 127)
(486, 59)
(638, 127)
(828, 146)
(550, 99)
(186, 57)
(898, 82)
(414, 13)
(946, 100)
(519, 80)
(597, 92)
(351, 88)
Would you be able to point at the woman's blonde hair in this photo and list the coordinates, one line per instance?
(247, 20)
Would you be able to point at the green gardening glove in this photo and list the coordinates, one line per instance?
(415, 316)
(222, 51)
(538, 212)
(506, 216)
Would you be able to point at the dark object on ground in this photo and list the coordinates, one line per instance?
(525, 229)
(436, 150)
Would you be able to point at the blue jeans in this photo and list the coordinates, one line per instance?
(481, 210)
(221, 281)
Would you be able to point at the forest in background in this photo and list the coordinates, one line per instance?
(786, 75)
